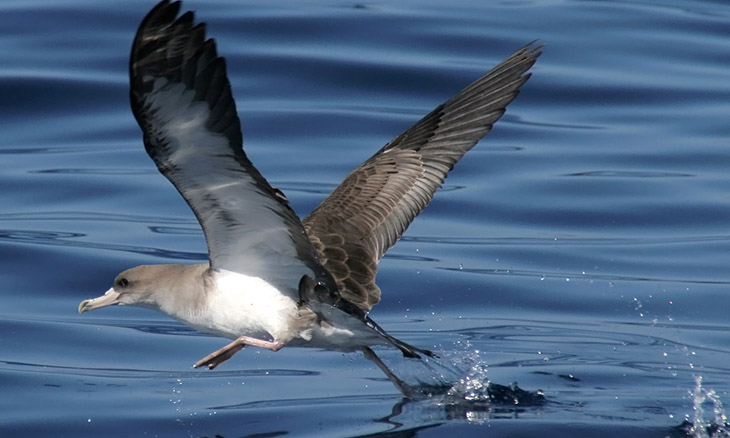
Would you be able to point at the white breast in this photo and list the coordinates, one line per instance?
(243, 305)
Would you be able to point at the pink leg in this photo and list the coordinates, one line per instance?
(219, 356)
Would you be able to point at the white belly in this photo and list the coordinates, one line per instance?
(243, 305)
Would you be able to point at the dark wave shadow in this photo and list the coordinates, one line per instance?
(70, 240)
(631, 174)
(93, 217)
(139, 373)
(565, 241)
(87, 171)
(578, 275)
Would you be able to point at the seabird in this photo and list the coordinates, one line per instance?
(272, 279)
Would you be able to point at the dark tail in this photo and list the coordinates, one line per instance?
(314, 294)
(407, 350)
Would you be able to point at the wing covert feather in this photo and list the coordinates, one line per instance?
(367, 213)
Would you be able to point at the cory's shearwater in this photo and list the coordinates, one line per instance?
(273, 280)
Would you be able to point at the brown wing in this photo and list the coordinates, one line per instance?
(369, 211)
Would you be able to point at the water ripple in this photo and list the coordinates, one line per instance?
(135, 374)
(65, 239)
(92, 217)
(566, 240)
(79, 171)
(631, 174)
(577, 275)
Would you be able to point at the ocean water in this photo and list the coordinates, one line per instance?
(580, 250)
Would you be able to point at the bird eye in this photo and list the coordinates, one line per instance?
(122, 282)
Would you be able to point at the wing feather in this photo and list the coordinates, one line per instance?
(182, 100)
(369, 211)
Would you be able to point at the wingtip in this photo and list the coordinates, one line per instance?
(164, 11)
(534, 48)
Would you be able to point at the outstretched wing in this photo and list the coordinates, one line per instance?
(182, 100)
(367, 213)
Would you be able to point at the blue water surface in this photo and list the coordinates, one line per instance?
(581, 249)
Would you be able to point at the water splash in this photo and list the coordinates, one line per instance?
(176, 398)
(475, 389)
(708, 419)
(459, 381)
(473, 386)
(458, 389)
(470, 382)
